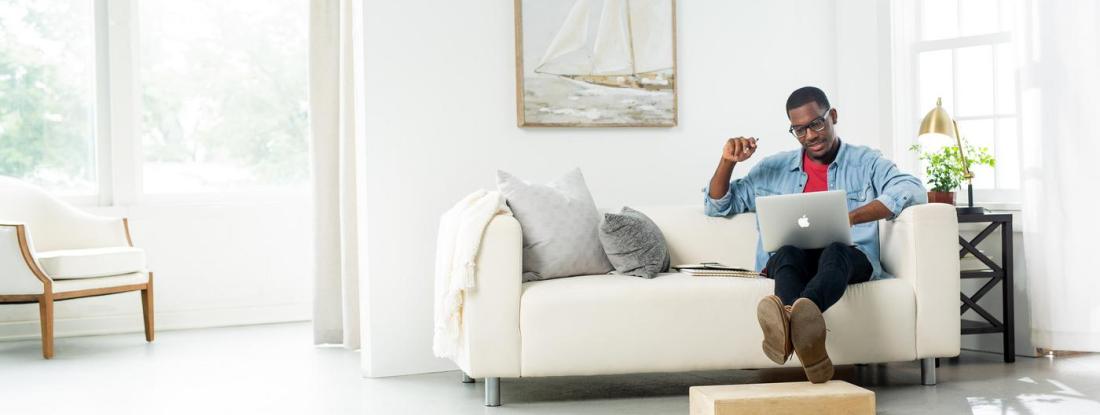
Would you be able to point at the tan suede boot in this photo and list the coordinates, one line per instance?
(776, 324)
(808, 336)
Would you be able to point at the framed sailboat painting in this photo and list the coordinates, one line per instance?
(596, 63)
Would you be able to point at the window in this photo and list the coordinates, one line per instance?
(202, 96)
(223, 94)
(963, 52)
(47, 94)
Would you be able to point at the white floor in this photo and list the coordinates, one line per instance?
(274, 369)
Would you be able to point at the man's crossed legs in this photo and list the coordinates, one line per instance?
(807, 282)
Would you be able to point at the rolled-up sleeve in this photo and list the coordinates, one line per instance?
(896, 190)
(739, 198)
(717, 207)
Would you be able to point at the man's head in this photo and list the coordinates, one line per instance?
(812, 121)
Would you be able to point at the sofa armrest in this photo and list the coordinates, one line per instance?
(19, 272)
(490, 312)
(921, 246)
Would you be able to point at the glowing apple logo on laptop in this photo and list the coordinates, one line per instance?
(804, 222)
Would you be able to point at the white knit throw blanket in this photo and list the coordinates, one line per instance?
(460, 231)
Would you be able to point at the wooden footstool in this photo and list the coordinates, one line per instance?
(833, 397)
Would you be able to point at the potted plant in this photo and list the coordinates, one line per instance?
(945, 169)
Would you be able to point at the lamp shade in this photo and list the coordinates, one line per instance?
(938, 122)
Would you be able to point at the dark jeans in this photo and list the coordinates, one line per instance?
(821, 275)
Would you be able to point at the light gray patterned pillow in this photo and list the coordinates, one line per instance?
(634, 244)
(560, 226)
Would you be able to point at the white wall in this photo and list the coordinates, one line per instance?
(216, 263)
(440, 120)
(863, 67)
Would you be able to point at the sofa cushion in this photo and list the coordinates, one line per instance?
(633, 243)
(613, 324)
(560, 226)
(91, 263)
(694, 237)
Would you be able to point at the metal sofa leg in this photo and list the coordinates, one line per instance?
(928, 371)
(466, 378)
(492, 391)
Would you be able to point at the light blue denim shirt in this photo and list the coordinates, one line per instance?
(860, 171)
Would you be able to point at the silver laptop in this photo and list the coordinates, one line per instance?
(804, 220)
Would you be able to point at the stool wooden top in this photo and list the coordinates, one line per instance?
(835, 396)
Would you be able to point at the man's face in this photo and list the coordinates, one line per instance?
(805, 119)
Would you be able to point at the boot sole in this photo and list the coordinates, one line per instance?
(773, 323)
(808, 336)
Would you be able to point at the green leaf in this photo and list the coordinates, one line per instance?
(945, 170)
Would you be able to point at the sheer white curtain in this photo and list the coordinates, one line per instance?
(335, 104)
(1060, 85)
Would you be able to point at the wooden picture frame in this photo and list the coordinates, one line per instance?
(628, 80)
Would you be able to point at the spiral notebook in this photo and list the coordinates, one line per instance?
(715, 269)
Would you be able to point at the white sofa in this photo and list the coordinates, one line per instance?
(611, 324)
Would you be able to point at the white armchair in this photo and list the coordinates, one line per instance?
(50, 251)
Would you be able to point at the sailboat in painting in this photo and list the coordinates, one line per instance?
(632, 47)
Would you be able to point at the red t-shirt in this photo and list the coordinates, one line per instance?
(817, 175)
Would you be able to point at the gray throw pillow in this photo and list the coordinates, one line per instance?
(560, 226)
(634, 244)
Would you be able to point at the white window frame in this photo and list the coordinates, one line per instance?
(118, 152)
(905, 31)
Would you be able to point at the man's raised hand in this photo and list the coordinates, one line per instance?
(739, 149)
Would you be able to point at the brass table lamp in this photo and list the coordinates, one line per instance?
(939, 122)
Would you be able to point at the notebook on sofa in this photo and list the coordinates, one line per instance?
(715, 269)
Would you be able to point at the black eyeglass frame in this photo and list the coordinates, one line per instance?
(804, 127)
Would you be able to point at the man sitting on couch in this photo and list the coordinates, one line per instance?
(809, 281)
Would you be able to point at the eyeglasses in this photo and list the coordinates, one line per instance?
(818, 124)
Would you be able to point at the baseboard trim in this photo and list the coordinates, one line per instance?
(165, 320)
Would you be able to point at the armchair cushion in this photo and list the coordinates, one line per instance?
(80, 284)
(91, 263)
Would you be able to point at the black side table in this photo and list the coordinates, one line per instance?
(997, 274)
